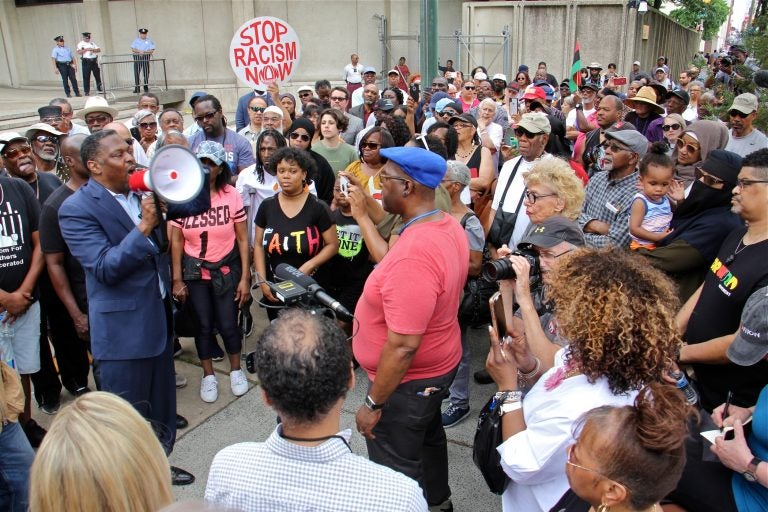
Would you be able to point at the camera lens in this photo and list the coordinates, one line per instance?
(498, 270)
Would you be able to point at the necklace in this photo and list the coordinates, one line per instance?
(739, 247)
(467, 154)
(315, 439)
(418, 217)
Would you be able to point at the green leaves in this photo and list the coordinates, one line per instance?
(692, 13)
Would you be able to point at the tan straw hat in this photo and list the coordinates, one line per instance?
(645, 95)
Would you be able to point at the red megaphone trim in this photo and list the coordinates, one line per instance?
(138, 181)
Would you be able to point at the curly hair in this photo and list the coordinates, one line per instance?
(618, 313)
(298, 156)
(556, 174)
(642, 446)
(303, 362)
(338, 116)
(397, 127)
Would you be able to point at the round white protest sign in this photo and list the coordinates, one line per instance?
(264, 50)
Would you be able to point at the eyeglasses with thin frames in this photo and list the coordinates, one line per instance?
(569, 461)
(383, 178)
(745, 183)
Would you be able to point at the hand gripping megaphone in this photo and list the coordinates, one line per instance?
(175, 175)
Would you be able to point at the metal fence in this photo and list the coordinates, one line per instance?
(132, 73)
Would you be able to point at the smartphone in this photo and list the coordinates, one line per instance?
(497, 315)
(344, 185)
(415, 92)
(510, 139)
(619, 80)
(513, 109)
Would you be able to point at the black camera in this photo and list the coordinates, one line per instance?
(501, 269)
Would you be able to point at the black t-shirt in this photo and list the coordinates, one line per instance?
(51, 241)
(737, 271)
(324, 177)
(19, 218)
(352, 264)
(291, 240)
(46, 184)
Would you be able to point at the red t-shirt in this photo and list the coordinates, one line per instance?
(210, 236)
(416, 290)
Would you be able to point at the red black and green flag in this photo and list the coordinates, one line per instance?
(575, 82)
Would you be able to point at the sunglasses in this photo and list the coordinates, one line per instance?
(370, 145)
(300, 136)
(447, 113)
(706, 178)
(257, 109)
(690, 148)
(736, 113)
(20, 151)
(532, 198)
(522, 131)
(469, 87)
(668, 127)
(338, 98)
(205, 117)
(304, 94)
(148, 126)
(96, 119)
(47, 138)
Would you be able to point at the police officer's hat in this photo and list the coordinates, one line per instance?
(59, 38)
(86, 34)
(143, 31)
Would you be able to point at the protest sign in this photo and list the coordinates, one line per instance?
(264, 50)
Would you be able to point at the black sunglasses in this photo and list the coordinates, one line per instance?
(257, 109)
(522, 131)
(300, 136)
(668, 127)
(47, 138)
(737, 113)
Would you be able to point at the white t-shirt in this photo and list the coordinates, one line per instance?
(353, 73)
(570, 121)
(514, 195)
(746, 145)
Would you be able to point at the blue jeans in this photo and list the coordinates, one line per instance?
(15, 462)
(459, 390)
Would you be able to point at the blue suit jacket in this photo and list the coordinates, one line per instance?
(126, 311)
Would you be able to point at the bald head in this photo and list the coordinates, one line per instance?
(70, 152)
(120, 128)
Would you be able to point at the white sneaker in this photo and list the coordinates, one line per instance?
(209, 389)
(238, 383)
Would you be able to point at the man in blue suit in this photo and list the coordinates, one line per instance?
(112, 233)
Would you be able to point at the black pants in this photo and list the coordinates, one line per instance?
(410, 437)
(91, 66)
(141, 65)
(67, 72)
(211, 310)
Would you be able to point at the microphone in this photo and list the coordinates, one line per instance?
(287, 272)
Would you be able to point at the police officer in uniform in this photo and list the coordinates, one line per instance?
(88, 51)
(64, 64)
(142, 49)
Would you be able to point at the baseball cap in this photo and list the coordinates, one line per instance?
(594, 65)
(467, 118)
(745, 103)
(385, 105)
(196, 96)
(533, 93)
(213, 151)
(369, 69)
(480, 76)
(8, 137)
(437, 97)
(499, 76)
(58, 38)
(86, 34)
(553, 231)
(443, 103)
(424, 167)
(143, 30)
(535, 122)
(42, 127)
(633, 139)
(393, 72)
(751, 342)
(659, 69)
(680, 94)
(637, 63)
(521, 68)
(589, 85)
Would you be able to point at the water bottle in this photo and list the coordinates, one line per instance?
(682, 383)
(6, 338)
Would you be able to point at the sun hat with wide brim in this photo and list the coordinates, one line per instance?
(645, 95)
(96, 104)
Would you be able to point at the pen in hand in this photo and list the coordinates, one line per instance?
(725, 409)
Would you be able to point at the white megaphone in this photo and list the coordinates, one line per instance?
(175, 175)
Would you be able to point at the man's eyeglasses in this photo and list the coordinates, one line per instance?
(370, 145)
(205, 117)
(745, 183)
(20, 151)
(148, 126)
(257, 109)
(89, 120)
(706, 178)
(549, 256)
(42, 139)
(300, 136)
(668, 127)
(737, 113)
(532, 197)
(689, 147)
(383, 178)
(52, 120)
(523, 132)
(338, 98)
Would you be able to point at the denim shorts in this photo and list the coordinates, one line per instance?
(26, 340)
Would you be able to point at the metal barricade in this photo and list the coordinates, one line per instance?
(130, 73)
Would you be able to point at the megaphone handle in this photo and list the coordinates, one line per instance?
(161, 232)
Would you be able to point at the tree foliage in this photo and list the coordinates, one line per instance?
(692, 12)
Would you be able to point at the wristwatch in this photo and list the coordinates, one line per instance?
(579, 106)
(750, 475)
(369, 403)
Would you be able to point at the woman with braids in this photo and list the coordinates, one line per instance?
(627, 458)
(618, 314)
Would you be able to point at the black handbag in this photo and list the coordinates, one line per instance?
(503, 224)
(487, 439)
(185, 322)
(474, 310)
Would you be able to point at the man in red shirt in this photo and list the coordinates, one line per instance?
(409, 341)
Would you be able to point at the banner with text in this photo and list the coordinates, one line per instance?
(264, 50)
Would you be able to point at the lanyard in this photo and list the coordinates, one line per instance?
(436, 210)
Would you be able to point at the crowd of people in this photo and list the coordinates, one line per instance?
(628, 232)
